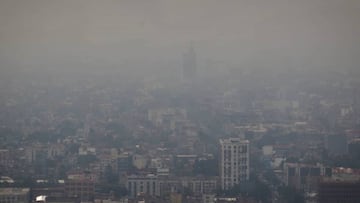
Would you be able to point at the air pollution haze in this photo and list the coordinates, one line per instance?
(179, 101)
(144, 36)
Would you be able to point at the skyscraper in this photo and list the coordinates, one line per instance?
(234, 162)
(189, 65)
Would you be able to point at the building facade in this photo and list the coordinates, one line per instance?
(142, 185)
(305, 177)
(80, 186)
(14, 195)
(234, 162)
(164, 186)
(338, 191)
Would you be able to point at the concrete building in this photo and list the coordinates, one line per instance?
(163, 186)
(330, 191)
(14, 195)
(234, 162)
(140, 185)
(35, 152)
(175, 198)
(123, 162)
(234, 200)
(305, 177)
(208, 198)
(55, 150)
(44, 199)
(140, 161)
(169, 185)
(4, 157)
(81, 186)
(268, 150)
(48, 192)
(200, 186)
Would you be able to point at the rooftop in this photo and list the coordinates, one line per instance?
(14, 191)
(233, 141)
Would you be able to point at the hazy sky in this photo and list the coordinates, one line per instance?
(142, 33)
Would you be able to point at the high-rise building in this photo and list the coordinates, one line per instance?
(234, 162)
(189, 65)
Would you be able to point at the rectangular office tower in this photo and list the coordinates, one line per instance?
(234, 162)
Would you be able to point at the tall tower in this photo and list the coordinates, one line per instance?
(234, 162)
(189, 64)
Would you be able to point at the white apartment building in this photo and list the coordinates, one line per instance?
(234, 162)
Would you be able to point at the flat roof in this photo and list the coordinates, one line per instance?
(234, 140)
(14, 191)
